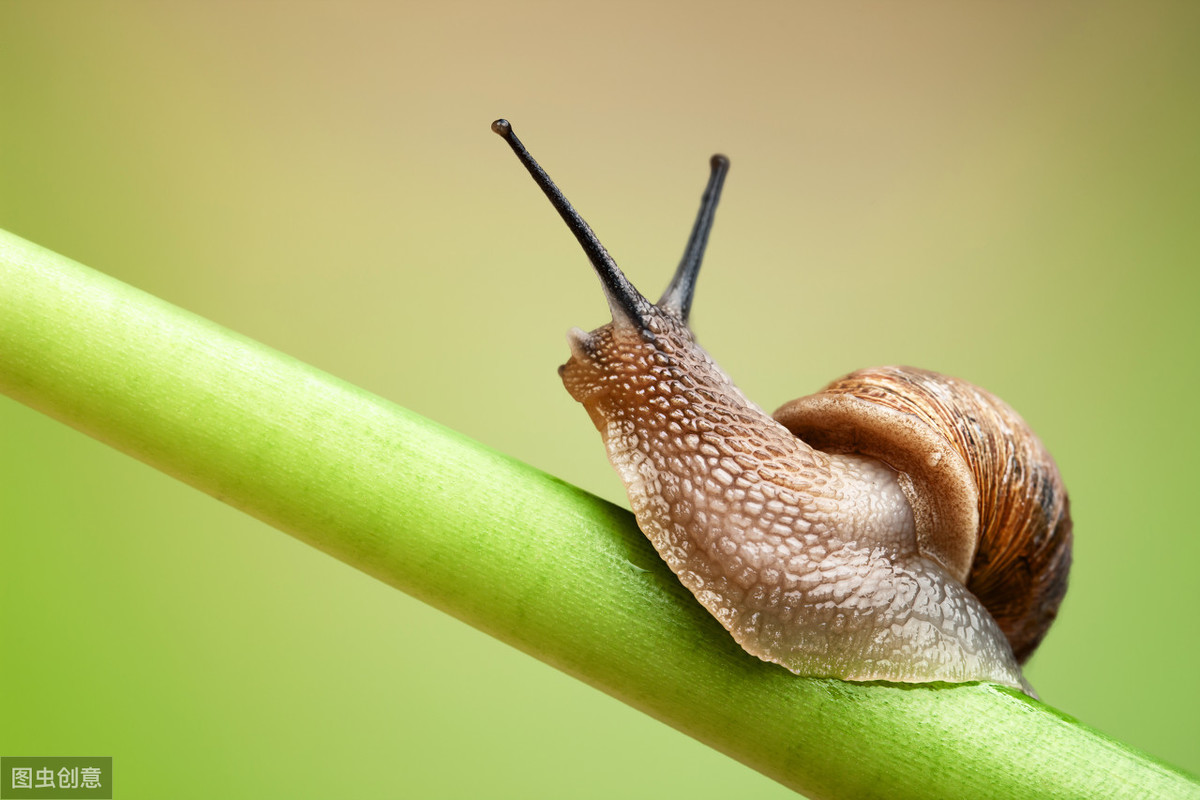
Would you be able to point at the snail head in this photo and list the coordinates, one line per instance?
(644, 339)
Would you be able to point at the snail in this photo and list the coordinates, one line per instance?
(898, 525)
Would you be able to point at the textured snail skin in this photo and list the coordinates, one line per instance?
(809, 559)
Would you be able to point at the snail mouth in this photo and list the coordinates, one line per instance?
(582, 375)
(580, 380)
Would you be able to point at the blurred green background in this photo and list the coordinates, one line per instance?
(1005, 192)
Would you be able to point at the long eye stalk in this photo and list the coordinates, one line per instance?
(679, 293)
(624, 300)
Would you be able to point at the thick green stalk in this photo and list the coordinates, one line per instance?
(537, 563)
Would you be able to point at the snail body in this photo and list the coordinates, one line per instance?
(898, 525)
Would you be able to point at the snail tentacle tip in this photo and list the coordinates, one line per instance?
(502, 127)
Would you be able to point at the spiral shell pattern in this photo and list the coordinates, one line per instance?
(1023, 550)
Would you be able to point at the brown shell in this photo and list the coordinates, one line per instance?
(983, 488)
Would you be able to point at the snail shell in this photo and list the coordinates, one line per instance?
(898, 525)
(988, 499)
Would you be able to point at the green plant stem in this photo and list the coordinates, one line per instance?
(533, 561)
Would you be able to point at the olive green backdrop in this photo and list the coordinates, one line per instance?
(1006, 192)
